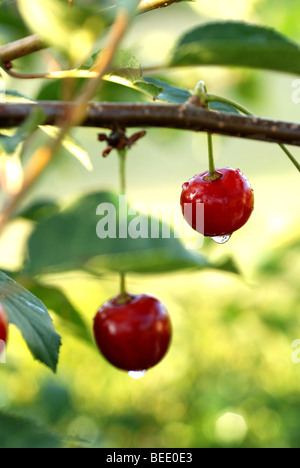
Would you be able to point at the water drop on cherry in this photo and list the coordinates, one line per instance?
(137, 375)
(222, 239)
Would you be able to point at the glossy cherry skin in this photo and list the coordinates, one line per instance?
(133, 336)
(228, 201)
(3, 328)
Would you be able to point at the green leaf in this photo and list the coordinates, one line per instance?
(228, 264)
(55, 300)
(12, 26)
(30, 315)
(169, 92)
(237, 44)
(38, 211)
(52, 90)
(281, 258)
(176, 95)
(71, 30)
(71, 146)
(149, 260)
(223, 107)
(19, 432)
(68, 241)
(10, 143)
(128, 72)
(15, 96)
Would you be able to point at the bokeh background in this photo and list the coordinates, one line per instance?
(228, 379)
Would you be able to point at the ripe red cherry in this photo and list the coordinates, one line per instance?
(134, 335)
(228, 201)
(3, 328)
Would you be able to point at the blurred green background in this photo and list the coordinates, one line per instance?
(228, 379)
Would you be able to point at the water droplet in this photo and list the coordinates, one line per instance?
(137, 374)
(222, 239)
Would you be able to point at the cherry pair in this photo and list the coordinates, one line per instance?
(134, 332)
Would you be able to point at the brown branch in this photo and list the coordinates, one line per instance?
(149, 5)
(20, 48)
(185, 117)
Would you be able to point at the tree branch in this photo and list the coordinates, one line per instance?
(20, 48)
(185, 117)
(149, 5)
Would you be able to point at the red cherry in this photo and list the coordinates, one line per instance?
(228, 201)
(134, 335)
(3, 328)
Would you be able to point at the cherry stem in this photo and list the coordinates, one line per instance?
(123, 297)
(123, 293)
(122, 153)
(212, 168)
(290, 156)
(122, 168)
(243, 110)
(201, 92)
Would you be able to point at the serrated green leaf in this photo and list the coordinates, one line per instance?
(150, 90)
(128, 72)
(127, 65)
(237, 44)
(30, 315)
(170, 93)
(68, 241)
(177, 95)
(55, 300)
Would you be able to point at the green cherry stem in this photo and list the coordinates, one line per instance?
(123, 285)
(201, 92)
(124, 297)
(122, 168)
(290, 156)
(243, 110)
(122, 153)
(212, 167)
